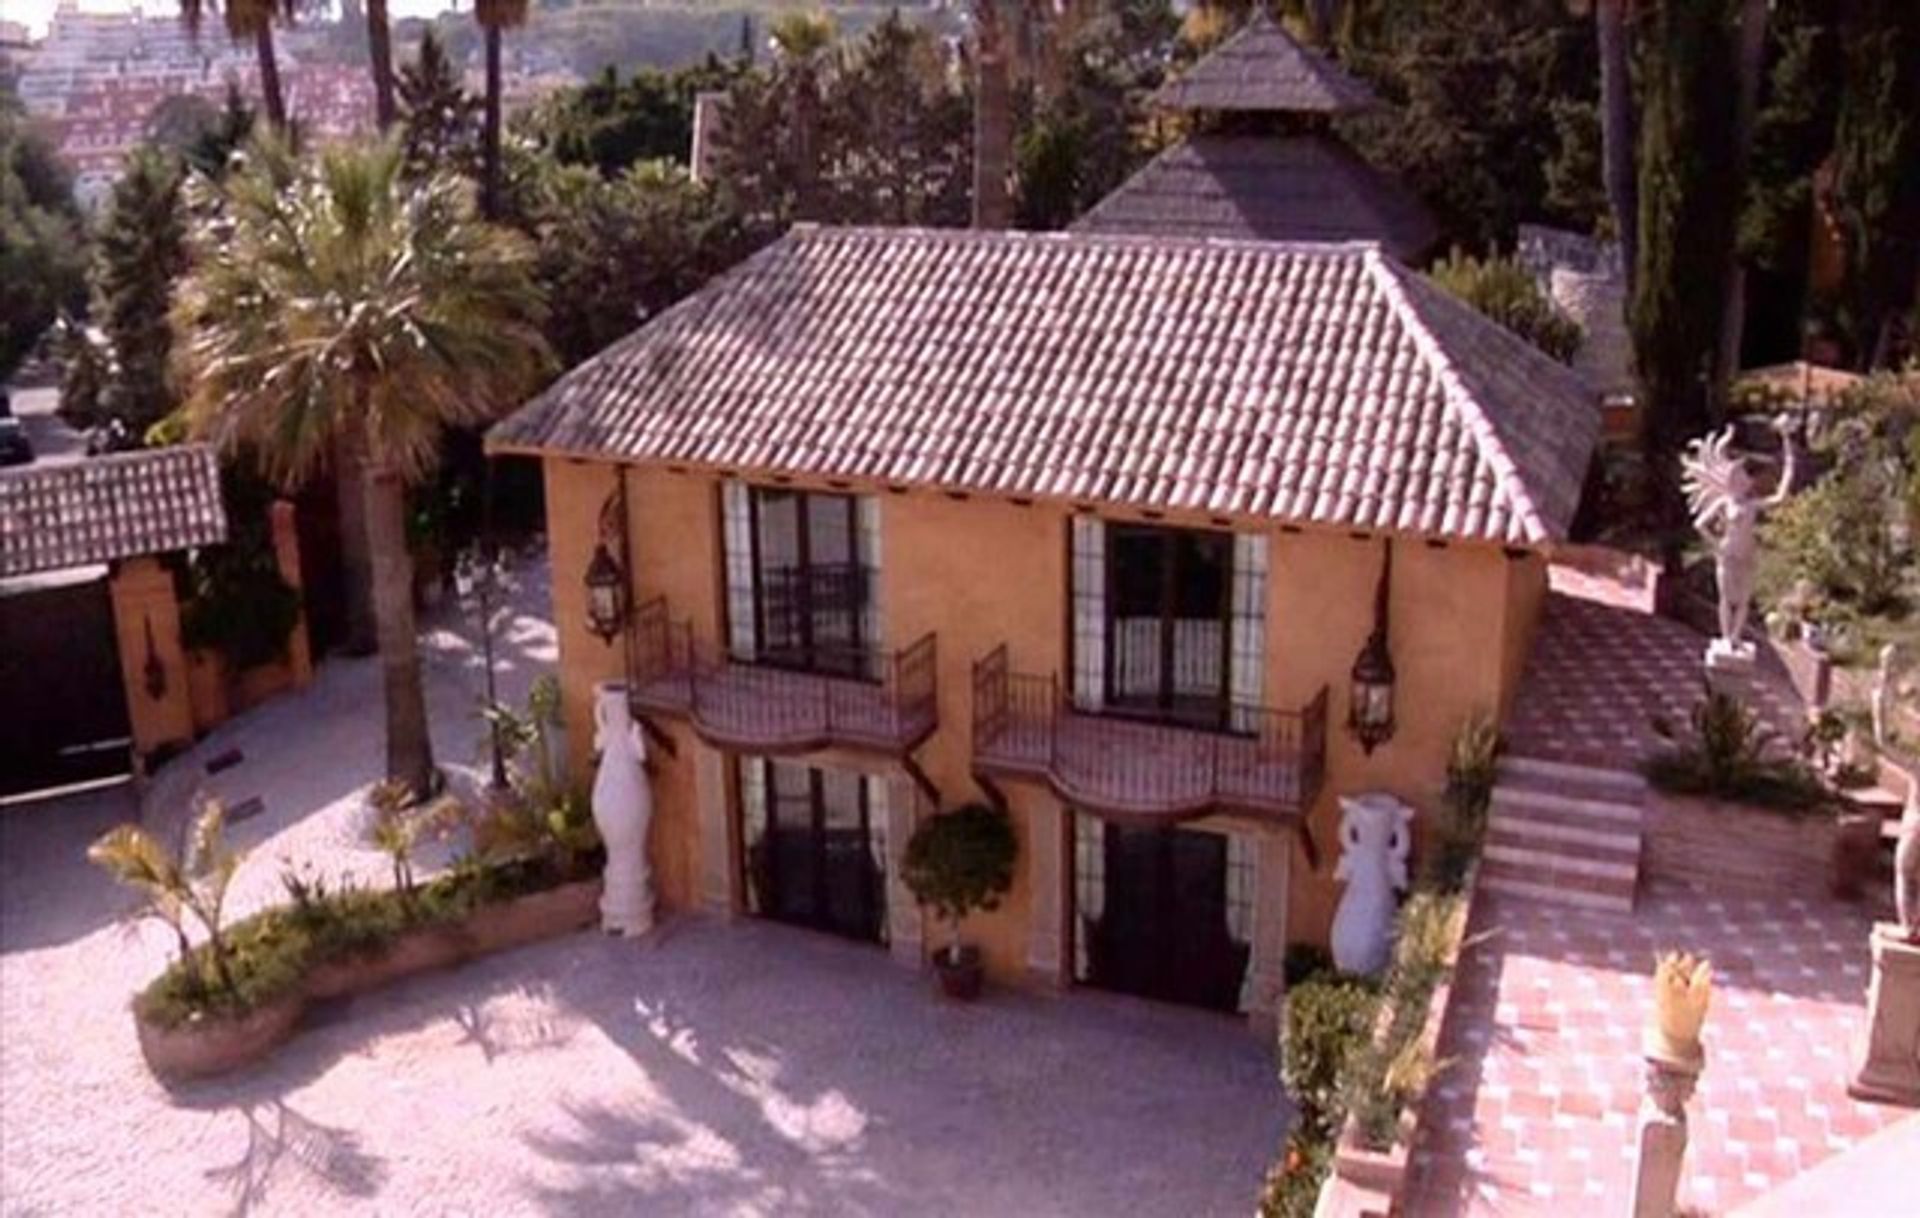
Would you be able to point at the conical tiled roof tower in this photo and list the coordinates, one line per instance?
(1263, 163)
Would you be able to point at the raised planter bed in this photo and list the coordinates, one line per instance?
(1737, 848)
(1364, 1178)
(201, 1048)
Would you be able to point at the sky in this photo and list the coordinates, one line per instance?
(37, 13)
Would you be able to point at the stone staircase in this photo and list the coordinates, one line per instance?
(1564, 833)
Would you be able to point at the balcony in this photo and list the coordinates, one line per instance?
(761, 708)
(1272, 766)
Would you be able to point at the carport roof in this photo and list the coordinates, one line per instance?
(103, 508)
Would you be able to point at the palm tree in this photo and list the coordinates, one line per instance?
(380, 58)
(494, 17)
(252, 19)
(802, 40)
(333, 302)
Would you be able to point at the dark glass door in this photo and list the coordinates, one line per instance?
(1163, 931)
(812, 858)
(1169, 596)
(810, 586)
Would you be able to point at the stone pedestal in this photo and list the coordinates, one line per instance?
(1660, 1149)
(1730, 666)
(1889, 1058)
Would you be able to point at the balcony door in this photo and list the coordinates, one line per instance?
(1169, 621)
(812, 591)
(1162, 913)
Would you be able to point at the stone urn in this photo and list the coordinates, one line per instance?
(1376, 833)
(622, 811)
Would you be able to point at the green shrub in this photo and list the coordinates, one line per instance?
(1293, 1186)
(961, 861)
(1728, 752)
(1303, 962)
(1327, 1020)
(1839, 535)
(1501, 289)
(1391, 1070)
(234, 599)
(269, 954)
(1473, 767)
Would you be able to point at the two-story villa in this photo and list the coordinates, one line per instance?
(1095, 528)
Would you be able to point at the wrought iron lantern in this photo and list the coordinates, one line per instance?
(606, 595)
(1370, 703)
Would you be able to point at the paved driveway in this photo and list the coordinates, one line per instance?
(726, 1069)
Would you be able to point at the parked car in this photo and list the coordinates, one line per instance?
(15, 448)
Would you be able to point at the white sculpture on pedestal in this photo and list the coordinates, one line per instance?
(622, 810)
(1375, 836)
(1727, 513)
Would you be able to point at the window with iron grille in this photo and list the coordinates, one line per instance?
(802, 572)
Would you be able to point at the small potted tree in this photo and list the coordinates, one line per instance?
(958, 863)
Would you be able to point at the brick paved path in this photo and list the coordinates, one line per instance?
(1599, 672)
(1538, 1107)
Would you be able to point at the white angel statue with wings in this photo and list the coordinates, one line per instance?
(1727, 512)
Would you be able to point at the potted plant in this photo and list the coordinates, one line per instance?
(958, 863)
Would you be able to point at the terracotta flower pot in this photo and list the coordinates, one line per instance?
(961, 978)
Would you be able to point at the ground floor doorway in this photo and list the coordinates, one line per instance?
(1165, 914)
(813, 844)
(63, 707)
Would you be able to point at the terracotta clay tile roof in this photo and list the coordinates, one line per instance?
(1262, 69)
(103, 508)
(1266, 188)
(1320, 384)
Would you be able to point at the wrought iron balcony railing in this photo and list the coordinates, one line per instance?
(848, 697)
(1272, 763)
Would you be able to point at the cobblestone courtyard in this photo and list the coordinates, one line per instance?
(727, 1069)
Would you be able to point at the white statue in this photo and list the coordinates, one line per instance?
(622, 810)
(1375, 836)
(1881, 700)
(1727, 513)
(1906, 863)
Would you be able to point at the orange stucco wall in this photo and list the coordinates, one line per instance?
(146, 625)
(981, 572)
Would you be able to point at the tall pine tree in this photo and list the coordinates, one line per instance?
(440, 120)
(141, 247)
(1688, 212)
(1876, 181)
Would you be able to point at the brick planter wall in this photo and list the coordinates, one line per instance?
(204, 1048)
(1738, 849)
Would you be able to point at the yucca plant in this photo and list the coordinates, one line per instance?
(174, 888)
(401, 824)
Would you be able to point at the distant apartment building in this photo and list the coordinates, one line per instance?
(97, 77)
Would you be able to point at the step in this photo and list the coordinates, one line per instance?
(1568, 809)
(1561, 865)
(1559, 874)
(1570, 839)
(1514, 886)
(1601, 782)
